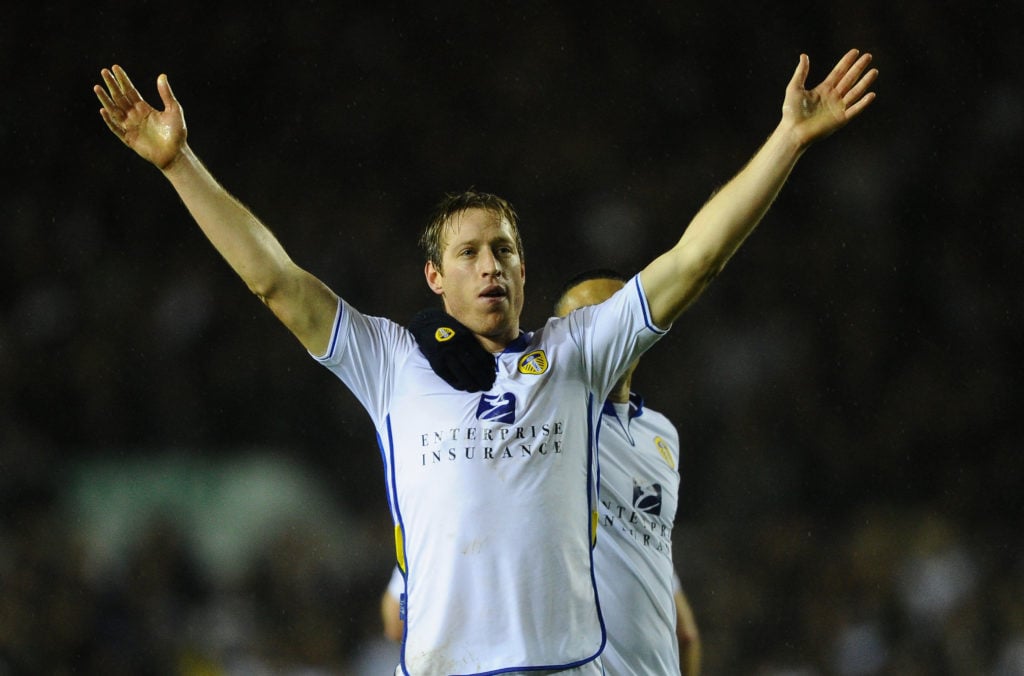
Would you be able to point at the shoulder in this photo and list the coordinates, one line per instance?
(660, 420)
(661, 432)
(362, 337)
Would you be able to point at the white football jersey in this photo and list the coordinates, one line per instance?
(639, 461)
(494, 494)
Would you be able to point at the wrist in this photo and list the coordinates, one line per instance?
(178, 162)
(789, 139)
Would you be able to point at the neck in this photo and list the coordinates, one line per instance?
(620, 393)
(495, 344)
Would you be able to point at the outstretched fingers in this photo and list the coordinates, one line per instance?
(863, 100)
(850, 81)
(853, 75)
(112, 124)
(857, 92)
(120, 95)
(128, 89)
(854, 86)
(115, 95)
(113, 115)
(842, 69)
(103, 97)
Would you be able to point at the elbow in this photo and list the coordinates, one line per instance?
(704, 265)
(698, 270)
(708, 275)
(687, 637)
(266, 287)
(264, 294)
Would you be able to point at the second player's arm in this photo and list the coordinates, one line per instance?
(688, 636)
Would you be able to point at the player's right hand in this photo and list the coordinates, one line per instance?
(156, 135)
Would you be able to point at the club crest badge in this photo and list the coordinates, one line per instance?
(534, 363)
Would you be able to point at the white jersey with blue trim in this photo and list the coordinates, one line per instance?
(494, 494)
(639, 460)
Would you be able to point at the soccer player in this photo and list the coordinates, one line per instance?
(650, 625)
(493, 495)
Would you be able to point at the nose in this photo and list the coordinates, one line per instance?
(489, 263)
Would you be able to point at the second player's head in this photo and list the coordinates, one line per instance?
(588, 288)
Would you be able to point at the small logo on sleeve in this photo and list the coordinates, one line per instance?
(665, 450)
(534, 363)
(497, 407)
(443, 333)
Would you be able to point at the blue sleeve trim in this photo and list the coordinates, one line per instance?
(332, 344)
(645, 307)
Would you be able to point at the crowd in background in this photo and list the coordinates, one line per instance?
(884, 591)
(845, 392)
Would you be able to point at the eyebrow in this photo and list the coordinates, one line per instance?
(476, 241)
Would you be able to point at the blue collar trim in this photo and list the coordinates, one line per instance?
(636, 406)
(519, 344)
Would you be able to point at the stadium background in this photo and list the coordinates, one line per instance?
(184, 490)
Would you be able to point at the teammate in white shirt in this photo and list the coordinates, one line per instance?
(651, 627)
(493, 495)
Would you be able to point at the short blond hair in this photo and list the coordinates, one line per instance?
(432, 238)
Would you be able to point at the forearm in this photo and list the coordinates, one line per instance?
(689, 659)
(246, 244)
(304, 304)
(680, 275)
(732, 213)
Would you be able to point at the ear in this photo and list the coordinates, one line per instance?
(435, 280)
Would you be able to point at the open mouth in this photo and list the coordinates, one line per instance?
(494, 292)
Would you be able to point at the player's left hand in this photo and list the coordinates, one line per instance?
(816, 113)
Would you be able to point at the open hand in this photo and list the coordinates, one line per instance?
(841, 96)
(157, 136)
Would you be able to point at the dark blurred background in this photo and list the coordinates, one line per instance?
(184, 491)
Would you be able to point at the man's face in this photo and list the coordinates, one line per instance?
(483, 276)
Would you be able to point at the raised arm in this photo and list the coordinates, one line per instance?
(302, 302)
(676, 278)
